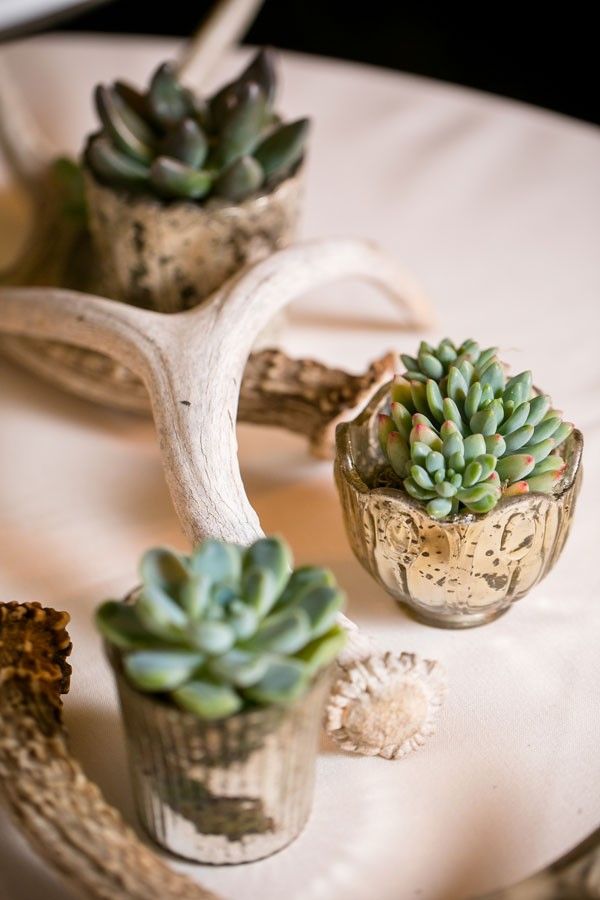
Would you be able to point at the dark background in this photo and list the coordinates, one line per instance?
(540, 53)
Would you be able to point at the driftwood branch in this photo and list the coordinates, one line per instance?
(62, 813)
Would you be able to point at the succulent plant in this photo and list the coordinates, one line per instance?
(226, 627)
(434, 362)
(468, 435)
(172, 143)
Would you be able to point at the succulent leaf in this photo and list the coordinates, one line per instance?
(400, 392)
(133, 99)
(282, 149)
(242, 177)
(187, 143)
(159, 613)
(551, 463)
(283, 682)
(518, 438)
(323, 650)
(286, 631)
(439, 507)
(172, 179)
(402, 419)
(120, 625)
(166, 99)
(213, 638)
(544, 483)
(385, 426)
(113, 166)
(242, 127)
(260, 589)
(538, 407)
(562, 433)
(207, 699)
(321, 603)
(419, 493)
(161, 670)
(272, 555)
(165, 568)
(545, 429)
(474, 446)
(262, 71)
(241, 668)
(435, 400)
(493, 375)
(194, 594)
(302, 578)
(515, 467)
(243, 619)
(128, 131)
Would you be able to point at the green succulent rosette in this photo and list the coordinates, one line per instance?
(226, 627)
(174, 144)
(460, 435)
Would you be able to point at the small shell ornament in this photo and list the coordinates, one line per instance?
(383, 703)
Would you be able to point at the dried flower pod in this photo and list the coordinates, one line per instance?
(385, 705)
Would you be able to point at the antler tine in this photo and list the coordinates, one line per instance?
(27, 150)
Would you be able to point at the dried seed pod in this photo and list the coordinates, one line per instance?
(385, 705)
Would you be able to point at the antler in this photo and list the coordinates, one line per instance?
(192, 363)
(577, 874)
(63, 814)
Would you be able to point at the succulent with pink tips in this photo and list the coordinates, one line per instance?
(459, 434)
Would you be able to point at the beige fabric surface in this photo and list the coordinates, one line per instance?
(496, 207)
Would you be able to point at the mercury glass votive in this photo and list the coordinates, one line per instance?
(454, 573)
(232, 790)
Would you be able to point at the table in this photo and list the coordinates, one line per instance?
(496, 206)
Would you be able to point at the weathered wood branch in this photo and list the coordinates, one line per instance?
(62, 813)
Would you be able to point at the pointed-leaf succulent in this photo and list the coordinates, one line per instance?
(226, 627)
(176, 145)
(460, 435)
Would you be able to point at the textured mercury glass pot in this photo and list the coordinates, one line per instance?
(457, 572)
(232, 790)
(172, 256)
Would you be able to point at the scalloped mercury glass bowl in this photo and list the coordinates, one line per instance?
(456, 573)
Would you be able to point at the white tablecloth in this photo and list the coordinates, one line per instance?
(496, 207)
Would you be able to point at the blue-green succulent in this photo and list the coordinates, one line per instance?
(226, 627)
(459, 434)
(174, 144)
